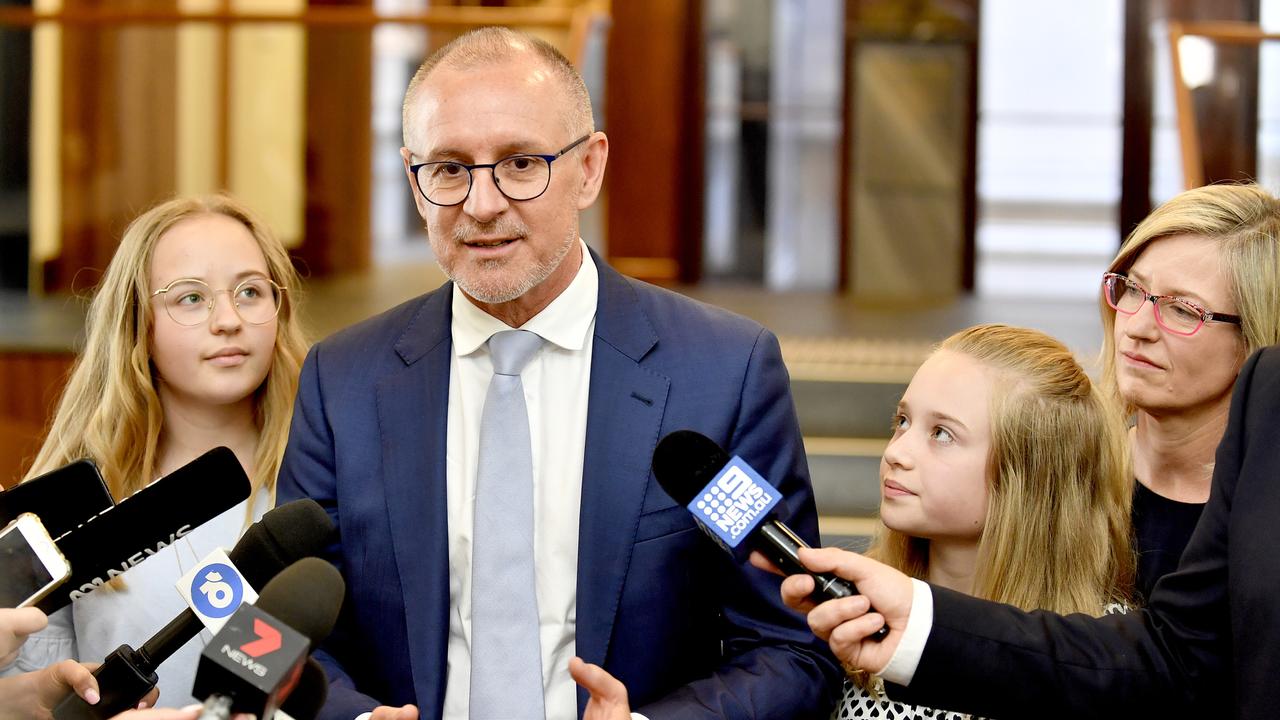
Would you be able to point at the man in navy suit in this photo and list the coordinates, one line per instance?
(501, 159)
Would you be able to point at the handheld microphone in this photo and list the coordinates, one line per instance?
(731, 502)
(257, 658)
(147, 522)
(308, 696)
(283, 535)
(62, 498)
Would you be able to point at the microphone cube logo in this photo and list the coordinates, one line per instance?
(214, 590)
(217, 590)
(734, 502)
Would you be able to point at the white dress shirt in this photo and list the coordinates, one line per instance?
(556, 385)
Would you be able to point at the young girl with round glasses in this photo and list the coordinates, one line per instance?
(1191, 294)
(192, 342)
(1006, 478)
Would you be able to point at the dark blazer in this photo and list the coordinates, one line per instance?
(1208, 644)
(690, 633)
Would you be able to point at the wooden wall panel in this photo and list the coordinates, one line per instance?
(30, 384)
(118, 137)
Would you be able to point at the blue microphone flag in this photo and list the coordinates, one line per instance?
(735, 501)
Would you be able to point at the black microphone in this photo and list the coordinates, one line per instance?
(308, 696)
(257, 659)
(62, 498)
(283, 535)
(147, 522)
(735, 505)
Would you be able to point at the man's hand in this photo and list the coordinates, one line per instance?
(33, 695)
(608, 696)
(847, 623)
(386, 712)
(15, 626)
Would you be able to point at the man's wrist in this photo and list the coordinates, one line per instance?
(906, 657)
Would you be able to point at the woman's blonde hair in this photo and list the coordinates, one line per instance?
(110, 411)
(1056, 535)
(1244, 220)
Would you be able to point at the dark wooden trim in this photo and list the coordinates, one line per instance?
(847, 239)
(969, 260)
(692, 155)
(1135, 132)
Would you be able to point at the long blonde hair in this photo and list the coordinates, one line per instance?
(1056, 535)
(1245, 222)
(110, 411)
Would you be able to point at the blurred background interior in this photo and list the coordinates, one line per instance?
(862, 176)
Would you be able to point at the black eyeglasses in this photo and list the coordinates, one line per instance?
(1177, 315)
(518, 177)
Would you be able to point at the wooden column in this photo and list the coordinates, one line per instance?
(654, 117)
(339, 106)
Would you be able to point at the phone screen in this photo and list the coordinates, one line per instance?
(21, 572)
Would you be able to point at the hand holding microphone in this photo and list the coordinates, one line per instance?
(34, 694)
(733, 504)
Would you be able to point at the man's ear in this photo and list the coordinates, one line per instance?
(595, 155)
(406, 158)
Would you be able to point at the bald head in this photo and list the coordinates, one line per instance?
(496, 46)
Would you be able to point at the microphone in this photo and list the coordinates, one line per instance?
(155, 517)
(306, 699)
(257, 658)
(283, 535)
(731, 502)
(62, 498)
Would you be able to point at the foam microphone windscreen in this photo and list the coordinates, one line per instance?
(284, 535)
(147, 522)
(306, 699)
(62, 498)
(306, 596)
(685, 461)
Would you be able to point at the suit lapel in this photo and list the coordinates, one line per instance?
(625, 409)
(413, 407)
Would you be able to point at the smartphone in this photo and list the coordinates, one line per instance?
(30, 563)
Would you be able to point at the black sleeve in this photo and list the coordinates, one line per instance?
(1173, 658)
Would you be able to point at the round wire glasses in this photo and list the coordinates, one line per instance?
(519, 177)
(1177, 315)
(190, 302)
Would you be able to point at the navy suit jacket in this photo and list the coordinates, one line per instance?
(1207, 645)
(689, 632)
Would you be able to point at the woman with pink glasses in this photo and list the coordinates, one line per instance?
(1193, 292)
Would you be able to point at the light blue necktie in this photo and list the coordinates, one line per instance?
(506, 656)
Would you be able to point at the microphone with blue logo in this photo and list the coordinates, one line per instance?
(733, 504)
(216, 590)
(259, 656)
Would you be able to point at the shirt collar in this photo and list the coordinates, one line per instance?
(564, 322)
